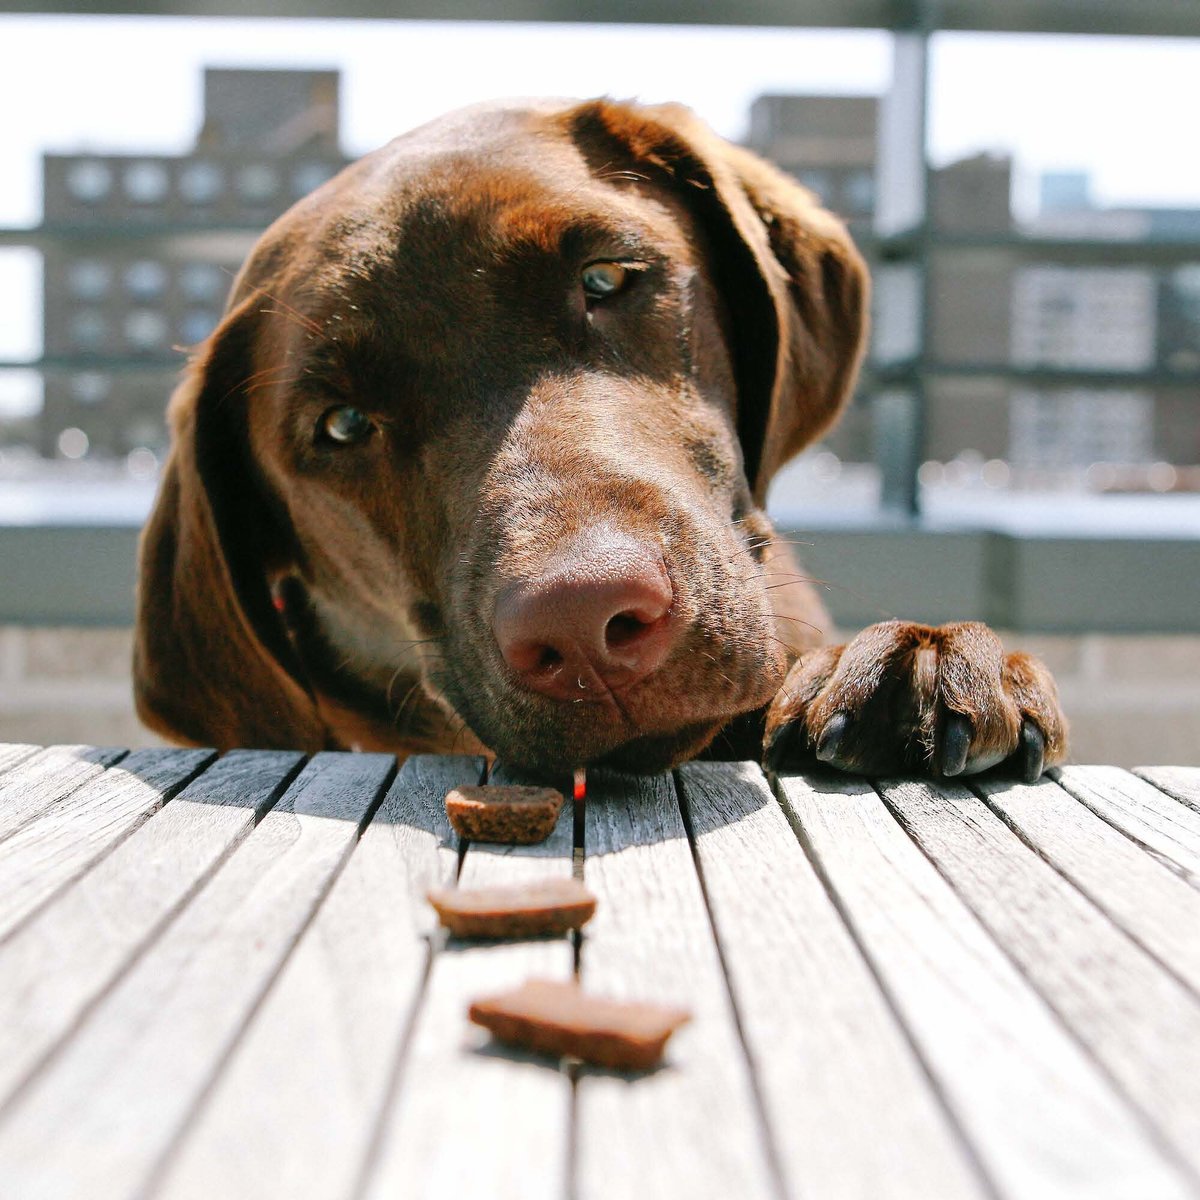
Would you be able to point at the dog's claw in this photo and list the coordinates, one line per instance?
(783, 746)
(831, 737)
(1031, 752)
(956, 745)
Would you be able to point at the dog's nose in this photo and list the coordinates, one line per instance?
(599, 618)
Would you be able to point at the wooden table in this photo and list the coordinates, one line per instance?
(219, 978)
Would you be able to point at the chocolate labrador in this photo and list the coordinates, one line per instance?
(476, 460)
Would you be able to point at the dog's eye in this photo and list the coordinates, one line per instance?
(601, 279)
(345, 425)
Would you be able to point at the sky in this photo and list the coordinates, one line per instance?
(1121, 109)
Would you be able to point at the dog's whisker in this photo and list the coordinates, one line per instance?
(799, 621)
(721, 673)
(285, 309)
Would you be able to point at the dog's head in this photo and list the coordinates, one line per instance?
(496, 410)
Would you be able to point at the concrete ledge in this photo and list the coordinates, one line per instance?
(1039, 584)
(84, 575)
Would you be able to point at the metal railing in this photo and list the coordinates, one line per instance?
(995, 580)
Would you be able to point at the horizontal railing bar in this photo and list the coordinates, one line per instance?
(1162, 18)
(1031, 247)
(42, 236)
(890, 374)
(868, 570)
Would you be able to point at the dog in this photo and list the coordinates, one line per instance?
(476, 460)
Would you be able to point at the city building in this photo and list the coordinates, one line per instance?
(829, 144)
(993, 305)
(146, 247)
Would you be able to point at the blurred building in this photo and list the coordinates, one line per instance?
(117, 309)
(828, 143)
(990, 306)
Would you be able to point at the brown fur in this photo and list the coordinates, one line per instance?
(297, 594)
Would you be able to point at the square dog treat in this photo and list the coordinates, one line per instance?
(551, 906)
(560, 1018)
(490, 813)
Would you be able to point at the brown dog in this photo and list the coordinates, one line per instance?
(477, 457)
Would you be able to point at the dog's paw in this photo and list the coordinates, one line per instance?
(905, 699)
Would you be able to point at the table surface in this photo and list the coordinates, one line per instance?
(219, 977)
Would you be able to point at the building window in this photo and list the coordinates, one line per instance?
(145, 329)
(146, 182)
(201, 182)
(820, 182)
(89, 181)
(89, 329)
(307, 177)
(257, 183)
(203, 281)
(146, 279)
(859, 190)
(88, 278)
(196, 325)
(90, 387)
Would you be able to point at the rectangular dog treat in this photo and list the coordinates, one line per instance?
(492, 813)
(560, 1018)
(551, 906)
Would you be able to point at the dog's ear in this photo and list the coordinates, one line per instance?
(795, 287)
(212, 661)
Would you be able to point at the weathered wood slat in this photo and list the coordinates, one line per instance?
(105, 1110)
(691, 1127)
(65, 840)
(36, 784)
(472, 1118)
(1181, 782)
(1139, 1022)
(847, 1100)
(344, 1001)
(1042, 1118)
(1168, 830)
(1147, 900)
(67, 954)
(12, 753)
(487, 863)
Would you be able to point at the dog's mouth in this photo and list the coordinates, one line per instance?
(663, 721)
(632, 640)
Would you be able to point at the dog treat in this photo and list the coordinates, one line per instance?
(551, 906)
(489, 813)
(560, 1018)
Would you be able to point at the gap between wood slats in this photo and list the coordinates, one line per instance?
(1164, 828)
(770, 1149)
(346, 994)
(1110, 996)
(849, 1103)
(1045, 1120)
(394, 1082)
(123, 1087)
(651, 939)
(38, 783)
(159, 1169)
(1183, 783)
(1157, 908)
(936, 1086)
(54, 849)
(58, 966)
(447, 1125)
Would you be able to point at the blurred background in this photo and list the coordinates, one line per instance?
(1024, 447)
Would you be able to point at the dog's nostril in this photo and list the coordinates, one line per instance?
(548, 660)
(623, 629)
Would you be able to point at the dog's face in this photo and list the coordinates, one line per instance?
(495, 410)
